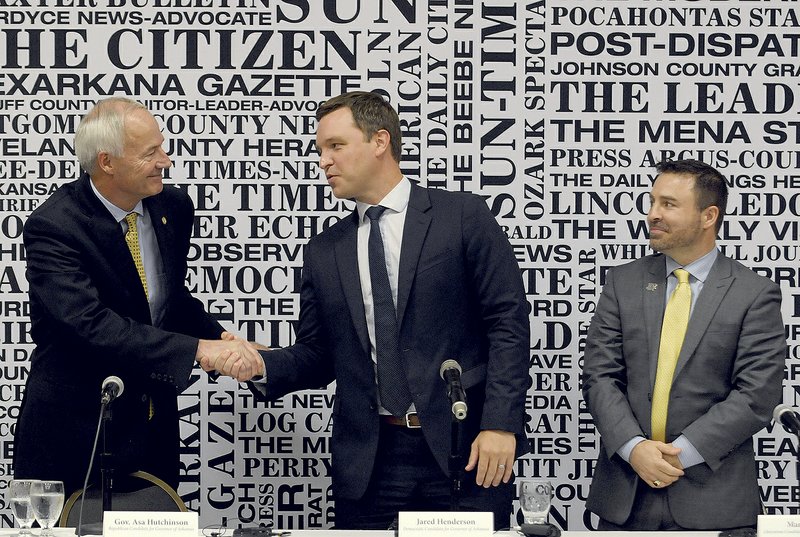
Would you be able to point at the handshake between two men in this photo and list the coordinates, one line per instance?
(231, 356)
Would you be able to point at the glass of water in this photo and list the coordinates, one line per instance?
(47, 500)
(19, 496)
(535, 496)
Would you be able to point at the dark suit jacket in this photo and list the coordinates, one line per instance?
(90, 319)
(460, 296)
(727, 380)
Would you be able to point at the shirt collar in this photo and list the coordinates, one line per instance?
(116, 213)
(699, 268)
(396, 200)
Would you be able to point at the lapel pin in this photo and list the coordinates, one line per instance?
(164, 220)
(651, 286)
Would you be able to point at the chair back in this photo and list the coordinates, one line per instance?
(139, 491)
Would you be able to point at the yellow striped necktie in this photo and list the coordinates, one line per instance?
(673, 330)
(132, 239)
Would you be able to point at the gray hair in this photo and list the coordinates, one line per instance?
(102, 130)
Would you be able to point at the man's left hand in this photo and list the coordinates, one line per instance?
(673, 460)
(493, 454)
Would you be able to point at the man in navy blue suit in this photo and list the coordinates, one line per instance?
(453, 290)
(106, 266)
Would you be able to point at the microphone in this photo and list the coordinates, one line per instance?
(112, 388)
(787, 417)
(450, 372)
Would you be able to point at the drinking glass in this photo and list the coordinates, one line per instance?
(535, 496)
(47, 500)
(19, 496)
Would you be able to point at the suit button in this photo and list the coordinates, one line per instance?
(152, 375)
(144, 398)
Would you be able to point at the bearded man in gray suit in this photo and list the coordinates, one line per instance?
(676, 447)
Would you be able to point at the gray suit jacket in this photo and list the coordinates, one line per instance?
(460, 296)
(726, 383)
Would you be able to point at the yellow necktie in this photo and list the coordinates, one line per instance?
(673, 329)
(132, 238)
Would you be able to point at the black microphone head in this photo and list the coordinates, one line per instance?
(780, 410)
(449, 364)
(113, 383)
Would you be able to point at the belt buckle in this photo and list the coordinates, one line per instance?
(408, 421)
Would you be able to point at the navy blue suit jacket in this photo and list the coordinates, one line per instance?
(90, 319)
(460, 296)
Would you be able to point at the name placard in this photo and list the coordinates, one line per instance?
(778, 525)
(440, 524)
(151, 523)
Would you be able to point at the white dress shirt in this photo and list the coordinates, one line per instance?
(392, 223)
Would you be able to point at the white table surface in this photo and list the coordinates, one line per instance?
(68, 532)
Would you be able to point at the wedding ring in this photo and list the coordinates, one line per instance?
(501, 466)
(656, 483)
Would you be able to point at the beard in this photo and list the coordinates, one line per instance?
(676, 237)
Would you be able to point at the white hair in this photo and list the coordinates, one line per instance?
(102, 130)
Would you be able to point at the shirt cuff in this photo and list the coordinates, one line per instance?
(261, 379)
(689, 456)
(627, 447)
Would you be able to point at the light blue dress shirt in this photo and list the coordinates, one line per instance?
(151, 255)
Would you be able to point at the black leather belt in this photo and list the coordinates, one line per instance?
(410, 420)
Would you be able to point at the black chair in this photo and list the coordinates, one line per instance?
(139, 491)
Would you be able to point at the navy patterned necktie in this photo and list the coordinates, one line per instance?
(392, 383)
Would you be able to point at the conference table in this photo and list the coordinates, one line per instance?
(67, 532)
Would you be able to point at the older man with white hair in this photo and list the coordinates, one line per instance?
(106, 264)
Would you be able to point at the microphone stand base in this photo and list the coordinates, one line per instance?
(92, 528)
(540, 530)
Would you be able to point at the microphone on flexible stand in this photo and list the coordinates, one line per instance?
(787, 417)
(450, 372)
(111, 388)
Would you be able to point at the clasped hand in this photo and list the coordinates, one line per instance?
(656, 463)
(231, 356)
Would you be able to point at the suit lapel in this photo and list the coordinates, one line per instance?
(654, 289)
(108, 237)
(346, 253)
(714, 289)
(165, 236)
(414, 232)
